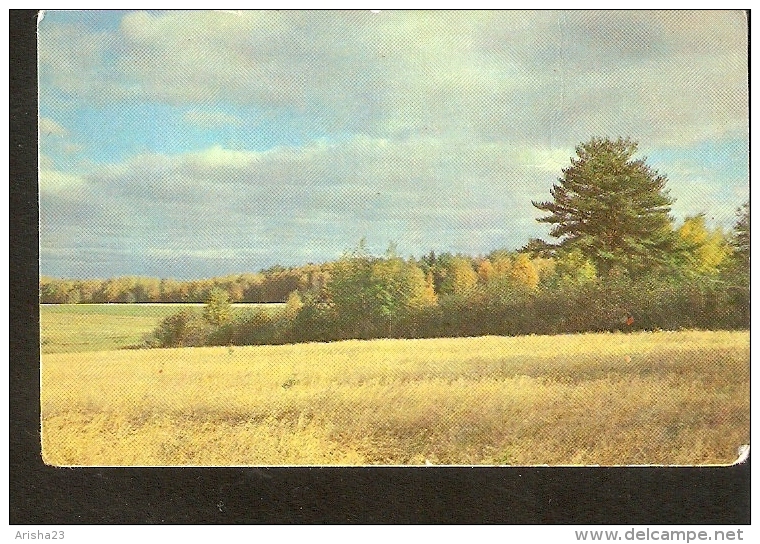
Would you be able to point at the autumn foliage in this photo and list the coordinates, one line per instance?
(618, 262)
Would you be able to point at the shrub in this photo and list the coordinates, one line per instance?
(185, 328)
(256, 327)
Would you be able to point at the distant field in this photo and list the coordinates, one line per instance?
(609, 399)
(103, 327)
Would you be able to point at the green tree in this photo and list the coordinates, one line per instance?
(369, 294)
(737, 269)
(741, 234)
(573, 269)
(401, 286)
(185, 328)
(218, 310)
(613, 208)
(737, 273)
(347, 289)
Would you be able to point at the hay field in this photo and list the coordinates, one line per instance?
(69, 328)
(609, 399)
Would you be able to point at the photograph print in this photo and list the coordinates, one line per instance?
(394, 238)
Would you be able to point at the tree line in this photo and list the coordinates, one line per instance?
(618, 262)
(440, 274)
(270, 285)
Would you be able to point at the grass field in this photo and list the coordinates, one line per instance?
(609, 399)
(101, 327)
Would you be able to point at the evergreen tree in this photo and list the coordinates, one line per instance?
(612, 208)
(741, 235)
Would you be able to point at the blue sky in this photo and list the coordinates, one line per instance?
(192, 144)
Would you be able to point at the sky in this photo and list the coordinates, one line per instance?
(205, 143)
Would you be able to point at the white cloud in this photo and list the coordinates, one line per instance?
(54, 138)
(52, 181)
(314, 202)
(72, 59)
(433, 129)
(228, 253)
(218, 157)
(718, 203)
(422, 192)
(544, 77)
(45, 162)
(48, 127)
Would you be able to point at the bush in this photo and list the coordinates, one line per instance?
(315, 322)
(592, 305)
(253, 328)
(185, 328)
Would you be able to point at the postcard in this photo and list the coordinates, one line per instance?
(394, 238)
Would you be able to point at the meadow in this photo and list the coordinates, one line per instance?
(69, 328)
(673, 398)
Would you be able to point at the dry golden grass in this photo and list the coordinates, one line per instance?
(609, 399)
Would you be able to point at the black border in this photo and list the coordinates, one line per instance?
(44, 495)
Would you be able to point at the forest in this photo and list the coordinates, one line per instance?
(619, 261)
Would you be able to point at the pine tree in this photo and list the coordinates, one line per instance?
(741, 234)
(613, 208)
